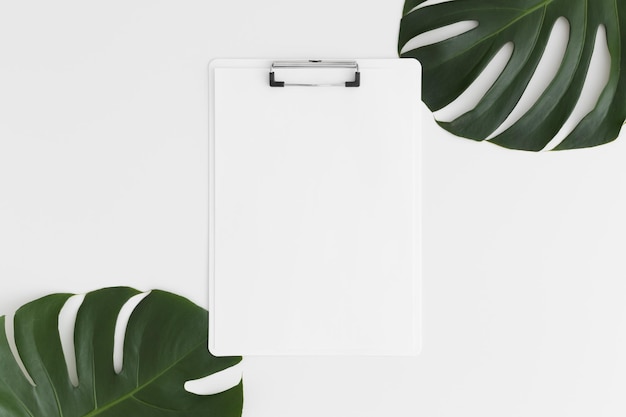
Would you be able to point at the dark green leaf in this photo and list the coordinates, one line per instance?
(450, 66)
(165, 345)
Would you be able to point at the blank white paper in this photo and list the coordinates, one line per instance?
(315, 212)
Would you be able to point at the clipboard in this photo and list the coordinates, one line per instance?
(315, 207)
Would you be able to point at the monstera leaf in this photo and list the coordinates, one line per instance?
(451, 65)
(165, 345)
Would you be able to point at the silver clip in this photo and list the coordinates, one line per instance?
(315, 63)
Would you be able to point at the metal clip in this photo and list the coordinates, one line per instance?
(314, 63)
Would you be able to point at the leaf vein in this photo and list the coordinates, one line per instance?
(19, 400)
(54, 391)
(131, 393)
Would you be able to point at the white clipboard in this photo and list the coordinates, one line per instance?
(315, 211)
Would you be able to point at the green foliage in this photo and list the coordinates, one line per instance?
(165, 345)
(452, 65)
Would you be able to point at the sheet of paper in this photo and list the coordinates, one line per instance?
(315, 213)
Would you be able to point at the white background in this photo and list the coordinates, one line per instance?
(103, 181)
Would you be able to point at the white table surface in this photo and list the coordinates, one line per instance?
(103, 181)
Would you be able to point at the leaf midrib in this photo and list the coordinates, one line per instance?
(131, 394)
